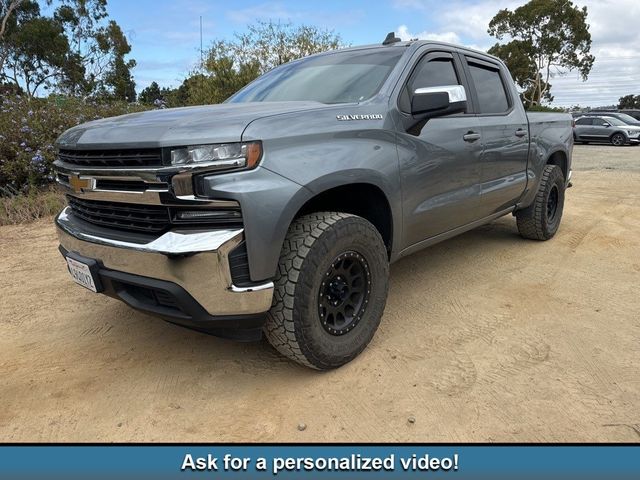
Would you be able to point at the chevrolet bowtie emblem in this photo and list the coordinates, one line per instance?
(80, 184)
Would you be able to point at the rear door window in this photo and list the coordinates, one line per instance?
(584, 121)
(490, 89)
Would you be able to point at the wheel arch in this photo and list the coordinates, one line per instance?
(559, 158)
(364, 199)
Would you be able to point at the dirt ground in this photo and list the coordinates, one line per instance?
(486, 337)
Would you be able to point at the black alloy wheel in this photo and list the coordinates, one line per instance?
(552, 204)
(344, 294)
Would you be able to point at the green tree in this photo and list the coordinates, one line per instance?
(7, 11)
(230, 65)
(269, 44)
(176, 97)
(629, 101)
(75, 50)
(547, 37)
(118, 78)
(224, 73)
(100, 47)
(150, 94)
(36, 50)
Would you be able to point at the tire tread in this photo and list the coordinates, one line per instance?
(530, 220)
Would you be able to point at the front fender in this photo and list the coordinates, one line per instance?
(269, 202)
(322, 162)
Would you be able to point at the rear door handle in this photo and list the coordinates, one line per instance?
(471, 137)
(521, 132)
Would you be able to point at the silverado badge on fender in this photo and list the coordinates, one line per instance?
(366, 116)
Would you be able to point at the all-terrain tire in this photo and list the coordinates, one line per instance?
(313, 246)
(541, 219)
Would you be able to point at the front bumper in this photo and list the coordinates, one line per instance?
(183, 276)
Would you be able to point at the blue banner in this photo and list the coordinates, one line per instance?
(319, 462)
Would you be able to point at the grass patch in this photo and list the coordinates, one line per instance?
(27, 208)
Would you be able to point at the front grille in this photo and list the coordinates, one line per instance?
(149, 157)
(124, 216)
(152, 219)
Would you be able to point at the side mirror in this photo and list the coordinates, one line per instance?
(438, 101)
(606, 124)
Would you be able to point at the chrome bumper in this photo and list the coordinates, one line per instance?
(196, 261)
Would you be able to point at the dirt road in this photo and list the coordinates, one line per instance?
(486, 337)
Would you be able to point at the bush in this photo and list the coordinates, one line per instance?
(29, 128)
(27, 207)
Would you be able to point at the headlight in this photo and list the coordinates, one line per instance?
(222, 155)
(631, 132)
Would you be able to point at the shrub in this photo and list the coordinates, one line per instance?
(27, 207)
(29, 128)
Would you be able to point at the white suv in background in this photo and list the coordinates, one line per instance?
(605, 129)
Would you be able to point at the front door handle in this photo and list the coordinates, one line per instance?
(521, 132)
(471, 137)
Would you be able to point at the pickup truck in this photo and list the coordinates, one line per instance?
(279, 211)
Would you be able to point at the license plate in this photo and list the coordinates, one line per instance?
(81, 274)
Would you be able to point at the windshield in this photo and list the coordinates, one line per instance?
(627, 118)
(341, 77)
(615, 121)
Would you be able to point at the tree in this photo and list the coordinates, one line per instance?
(547, 37)
(7, 9)
(75, 50)
(176, 97)
(629, 101)
(270, 44)
(118, 76)
(119, 80)
(150, 94)
(100, 46)
(36, 51)
(225, 72)
(230, 65)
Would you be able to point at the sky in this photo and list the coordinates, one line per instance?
(165, 34)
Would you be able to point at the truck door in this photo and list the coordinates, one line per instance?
(439, 157)
(505, 135)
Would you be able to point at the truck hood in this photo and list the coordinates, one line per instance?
(176, 126)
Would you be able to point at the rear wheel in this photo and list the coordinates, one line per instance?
(331, 290)
(618, 139)
(541, 219)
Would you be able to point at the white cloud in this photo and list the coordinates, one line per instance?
(403, 33)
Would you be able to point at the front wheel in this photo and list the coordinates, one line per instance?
(330, 290)
(618, 139)
(541, 219)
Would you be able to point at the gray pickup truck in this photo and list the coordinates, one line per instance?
(279, 211)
